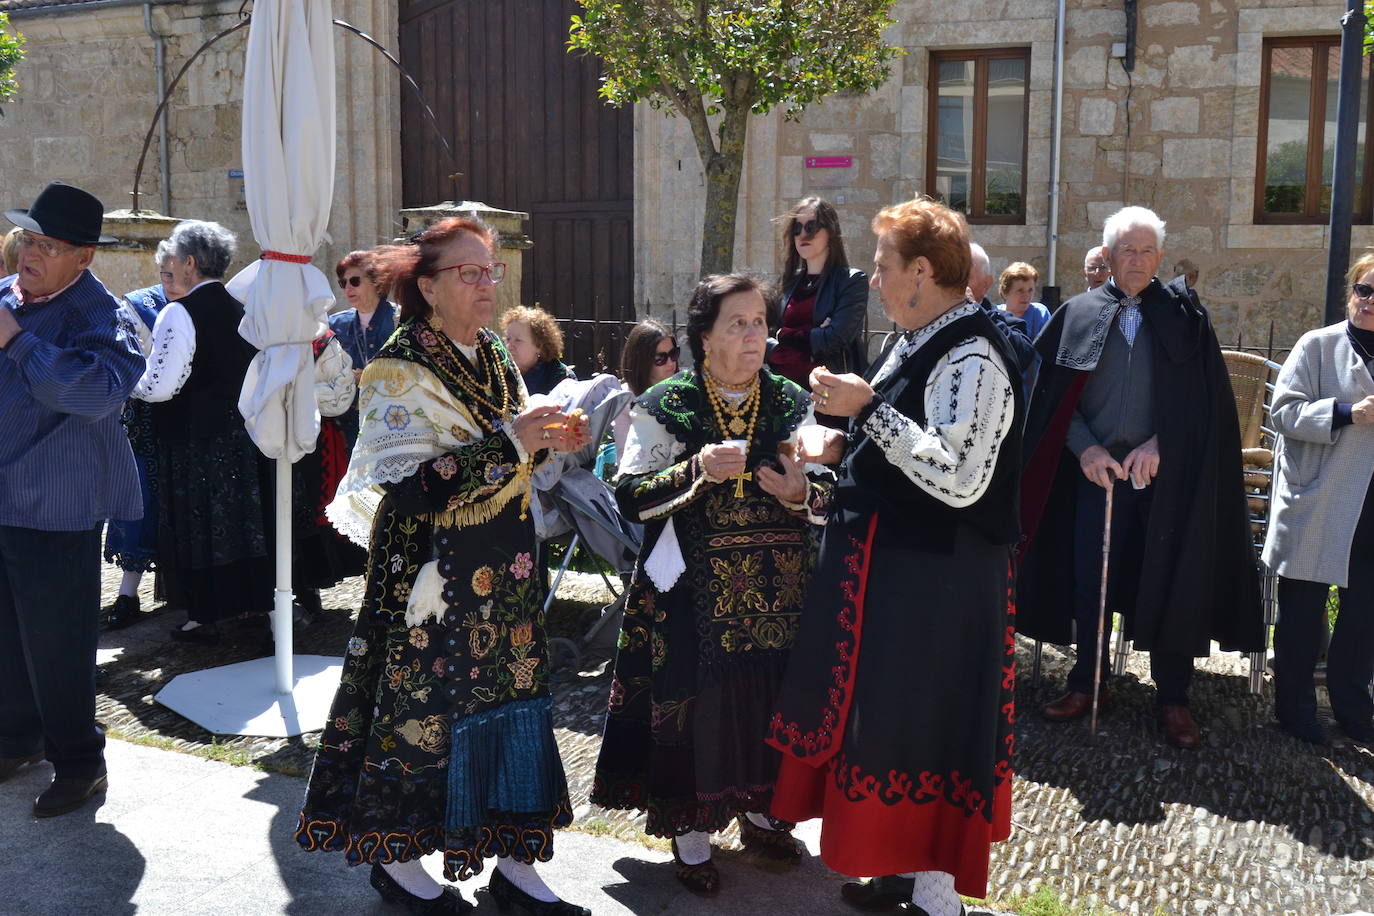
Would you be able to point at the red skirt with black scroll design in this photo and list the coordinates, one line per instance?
(896, 715)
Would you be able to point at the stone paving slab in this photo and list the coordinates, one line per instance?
(1254, 824)
(178, 834)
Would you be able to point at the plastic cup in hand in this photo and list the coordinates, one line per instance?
(738, 445)
(812, 442)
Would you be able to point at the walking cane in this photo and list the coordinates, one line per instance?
(1101, 608)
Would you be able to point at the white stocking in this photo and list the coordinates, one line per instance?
(759, 819)
(694, 848)
(523, 876)
(413, 877)
(128, 586)
(934, 893)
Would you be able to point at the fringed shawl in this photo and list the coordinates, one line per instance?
(413, 408)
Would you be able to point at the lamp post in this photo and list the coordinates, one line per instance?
(1343, 189)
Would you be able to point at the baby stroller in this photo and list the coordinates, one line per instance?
(570, 502)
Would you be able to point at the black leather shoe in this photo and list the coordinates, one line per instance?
(203, 635)
(1305, 729)
(508, 897)
(10, 765)
(447, 903)
(67, 793)
(124, 612)
(777, 844)
(1359, 732)
(879, 894)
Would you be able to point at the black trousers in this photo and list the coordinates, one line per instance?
(49, 628)
(1172, 671)
(1302, 624)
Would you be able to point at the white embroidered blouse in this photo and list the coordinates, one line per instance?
(970, 407)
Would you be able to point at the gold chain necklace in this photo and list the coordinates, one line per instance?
(730, 419)
(736, 424)
(489, 367)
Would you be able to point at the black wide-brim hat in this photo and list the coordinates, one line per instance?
(64, 212)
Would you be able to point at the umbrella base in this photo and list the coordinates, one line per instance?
(241, 699)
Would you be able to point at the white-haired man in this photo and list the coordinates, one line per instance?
(1133, 396)
(1096, 268)
(980, 280)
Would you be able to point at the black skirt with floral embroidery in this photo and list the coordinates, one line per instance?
(698, 666)
(441, 733)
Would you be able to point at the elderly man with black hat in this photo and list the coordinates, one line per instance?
(67, 364)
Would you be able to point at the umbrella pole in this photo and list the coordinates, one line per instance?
(281, 615)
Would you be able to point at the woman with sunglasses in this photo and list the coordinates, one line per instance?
(364, 326)
(649, 356)
(536, 344)
(441, 733)
(824, 299)
(1321, 531)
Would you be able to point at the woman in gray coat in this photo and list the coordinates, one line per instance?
(1321, 532)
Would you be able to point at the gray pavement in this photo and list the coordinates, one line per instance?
(180, 834)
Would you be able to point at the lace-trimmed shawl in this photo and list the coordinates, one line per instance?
(409, 416)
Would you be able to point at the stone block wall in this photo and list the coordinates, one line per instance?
(1192, 103)
(88, 93)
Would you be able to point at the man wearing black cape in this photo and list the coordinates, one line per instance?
(1133, 394)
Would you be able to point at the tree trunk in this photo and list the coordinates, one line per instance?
(723, 171)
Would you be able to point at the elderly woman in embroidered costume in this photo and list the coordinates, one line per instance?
(714, 601)
(441, 736)
(895, 718)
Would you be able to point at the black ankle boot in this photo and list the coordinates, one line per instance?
(508, 896)
(448, 903)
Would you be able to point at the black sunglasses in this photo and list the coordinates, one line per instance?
(1362, 290)
(345, 282)
(808, 228)
(662, 359)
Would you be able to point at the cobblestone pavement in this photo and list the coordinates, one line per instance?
(1253, 823)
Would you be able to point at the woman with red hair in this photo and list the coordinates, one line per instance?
(441, 734)
(895, 715)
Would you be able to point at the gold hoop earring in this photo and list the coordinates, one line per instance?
(434, 321)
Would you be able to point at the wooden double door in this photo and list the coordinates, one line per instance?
(530, 133)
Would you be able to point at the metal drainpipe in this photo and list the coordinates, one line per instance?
(1056, 141)
(160, 66)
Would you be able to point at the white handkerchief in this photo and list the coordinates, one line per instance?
(665, 564)
(426, 596)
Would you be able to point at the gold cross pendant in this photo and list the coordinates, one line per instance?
(739, 483)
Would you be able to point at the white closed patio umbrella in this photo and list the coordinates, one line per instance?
(288, 164)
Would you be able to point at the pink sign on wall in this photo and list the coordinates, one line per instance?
(829, 162)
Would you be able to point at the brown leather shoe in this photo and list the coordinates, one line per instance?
(1074, 705)
(1179, 728)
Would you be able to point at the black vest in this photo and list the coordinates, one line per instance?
(209, 399)
(907, 514)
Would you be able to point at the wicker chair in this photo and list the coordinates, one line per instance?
(1251, 385)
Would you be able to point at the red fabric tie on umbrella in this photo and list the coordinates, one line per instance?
(283, 256)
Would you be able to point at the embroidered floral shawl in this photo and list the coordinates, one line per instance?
(413, 409)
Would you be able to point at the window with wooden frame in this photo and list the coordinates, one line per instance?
(1297, 132)
(976, 155)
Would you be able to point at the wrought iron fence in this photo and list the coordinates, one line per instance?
(593, 344)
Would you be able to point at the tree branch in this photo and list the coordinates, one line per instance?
(691, 108)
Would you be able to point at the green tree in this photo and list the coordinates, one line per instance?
(729, 59)
(11, 53)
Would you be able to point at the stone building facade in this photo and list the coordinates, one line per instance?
(1192, 104)
(89, 90)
